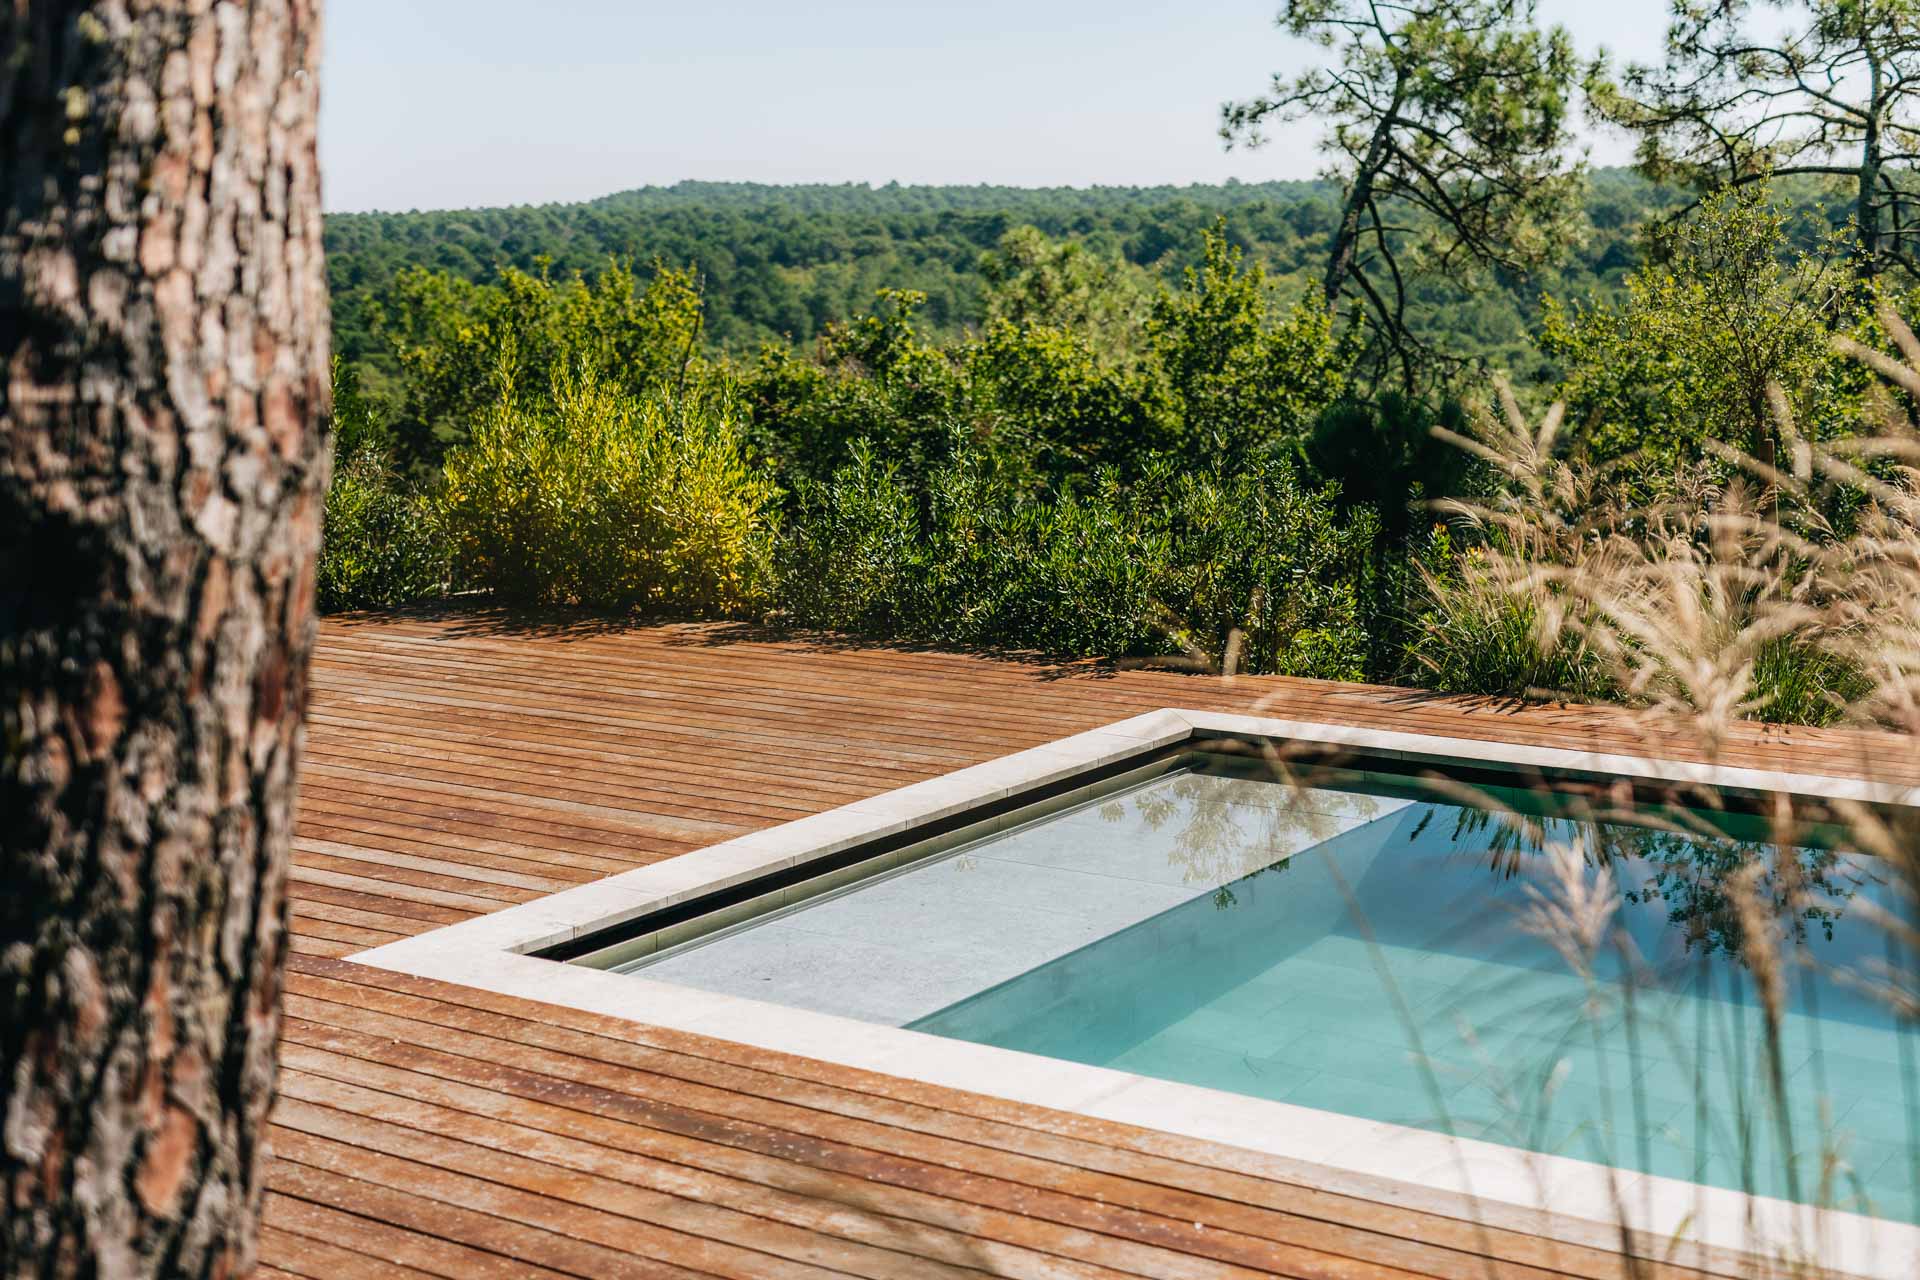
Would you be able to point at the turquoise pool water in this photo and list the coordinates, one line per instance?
(1389, 972)
(1359, 941)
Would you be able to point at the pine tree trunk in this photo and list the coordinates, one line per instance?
(1867, 200)
(1346, 234)
(163, 320)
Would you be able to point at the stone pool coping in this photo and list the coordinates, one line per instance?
(1571, 1200)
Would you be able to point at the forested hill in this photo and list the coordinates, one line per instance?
(780, 262)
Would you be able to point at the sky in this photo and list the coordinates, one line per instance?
(436, 104)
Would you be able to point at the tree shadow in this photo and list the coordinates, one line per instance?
(480, 618)
(719, 635)
(1468, 703)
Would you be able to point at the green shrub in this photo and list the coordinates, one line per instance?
(1094, 582)
(1173, 563)
(596, 497)
(1245, 374)
(1690, 360)
(459, 346)
(383, 543)
(1261, 551)
(850, 557)
(872, 378)
(1046, 393)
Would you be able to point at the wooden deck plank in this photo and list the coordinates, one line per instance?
(693, 792)
(597, 1212)
(324, 1260)
(349, 829)
(306, 870)
(422, 915)
(375, 866)
(308, 944)
(792, 1168)
(587, 752)
(434, 814)
(530, 1250)
(433, 1254)
(1020, 1169)
(463, 762)
(831, 1226)
(1121, 1163)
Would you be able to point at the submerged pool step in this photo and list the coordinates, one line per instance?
(907, 944)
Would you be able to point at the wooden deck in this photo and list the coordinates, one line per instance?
(459, 763)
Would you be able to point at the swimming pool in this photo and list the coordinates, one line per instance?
(1376, 944)
(1330, 975)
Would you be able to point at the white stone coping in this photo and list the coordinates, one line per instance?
(1570, 1200)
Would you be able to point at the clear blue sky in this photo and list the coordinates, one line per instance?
(457, 103)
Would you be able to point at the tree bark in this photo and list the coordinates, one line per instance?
(164, 323)
(1346, 236)
(1867, 205)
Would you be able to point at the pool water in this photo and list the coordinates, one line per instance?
(1361, 942)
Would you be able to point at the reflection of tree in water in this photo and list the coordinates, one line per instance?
(1223, 835)
(1659, 854)
(1801, 886)
(1683, 864)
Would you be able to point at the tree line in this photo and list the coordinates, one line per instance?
(779, 264)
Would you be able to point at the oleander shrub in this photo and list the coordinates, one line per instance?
(383, 543)
(850, 550)
(1172, 564)
(600, 497)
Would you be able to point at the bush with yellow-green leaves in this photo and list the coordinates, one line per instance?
(600, 497)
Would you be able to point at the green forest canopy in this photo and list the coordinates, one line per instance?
(778, 263)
